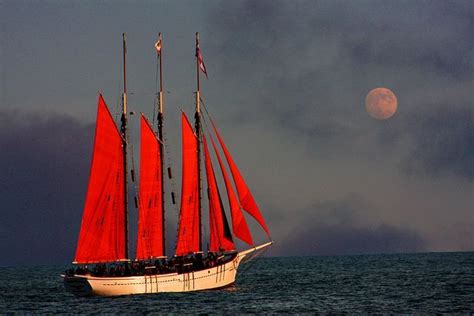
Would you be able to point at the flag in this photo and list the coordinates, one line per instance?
(201, 61)
(158, 47)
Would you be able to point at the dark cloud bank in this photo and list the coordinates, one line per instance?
(335, 227)
(444, 138)
(45, 161)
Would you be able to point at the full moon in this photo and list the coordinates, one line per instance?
(381, 103)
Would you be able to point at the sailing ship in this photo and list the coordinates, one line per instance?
(103, 266)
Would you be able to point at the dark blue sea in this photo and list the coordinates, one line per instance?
(396, 283)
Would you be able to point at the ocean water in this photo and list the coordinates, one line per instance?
(396, 283)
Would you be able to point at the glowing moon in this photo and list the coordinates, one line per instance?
(381, 103)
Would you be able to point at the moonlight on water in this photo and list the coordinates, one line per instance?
(381, 103)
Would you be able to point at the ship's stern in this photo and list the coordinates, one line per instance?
(77, 285)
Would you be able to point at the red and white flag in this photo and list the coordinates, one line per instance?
(201, 61)
(158, 47)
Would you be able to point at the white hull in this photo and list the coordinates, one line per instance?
(211, 278)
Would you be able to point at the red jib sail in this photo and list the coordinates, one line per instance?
(102, 235)
(150, 211)
(245, 196)
(188, 232)
(239, 224)
(220, 236)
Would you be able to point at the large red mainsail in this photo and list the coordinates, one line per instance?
(150, 236)
(188, 232)
(102, 235)
(245, 196)
(239, 224)
(220, 236)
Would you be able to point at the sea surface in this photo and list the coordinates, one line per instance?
(396, 283)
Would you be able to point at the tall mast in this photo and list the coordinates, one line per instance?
(161, 138)
(124, 135)
(197, 125)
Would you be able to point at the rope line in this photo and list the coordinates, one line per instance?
(155, 101)
(118, 110)
(252, 259)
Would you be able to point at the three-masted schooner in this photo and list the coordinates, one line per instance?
(103, 265)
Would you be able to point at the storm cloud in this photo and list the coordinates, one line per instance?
(444, 142)
(44, 156)
(337, 227)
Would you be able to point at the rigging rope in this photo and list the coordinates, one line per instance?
(208, 129)
(169, 164)
(251, 260)
(133, 173)
(118, 110)
(205, 108)
(156, 100)
(132, 170)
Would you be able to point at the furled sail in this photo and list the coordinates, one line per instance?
(150, 236)
(245, 196)
(220, 236)
(102, 234)
(239, 224)
(188, 231)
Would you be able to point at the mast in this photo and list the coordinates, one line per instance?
(161, 138)
(197, 125)
(123, 130)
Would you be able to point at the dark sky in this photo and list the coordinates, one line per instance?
(287, 86)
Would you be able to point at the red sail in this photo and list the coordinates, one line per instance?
(102, 235)
(239, 225)
(150, 212)
(188, 232)
(245, 196)
(220, 236)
